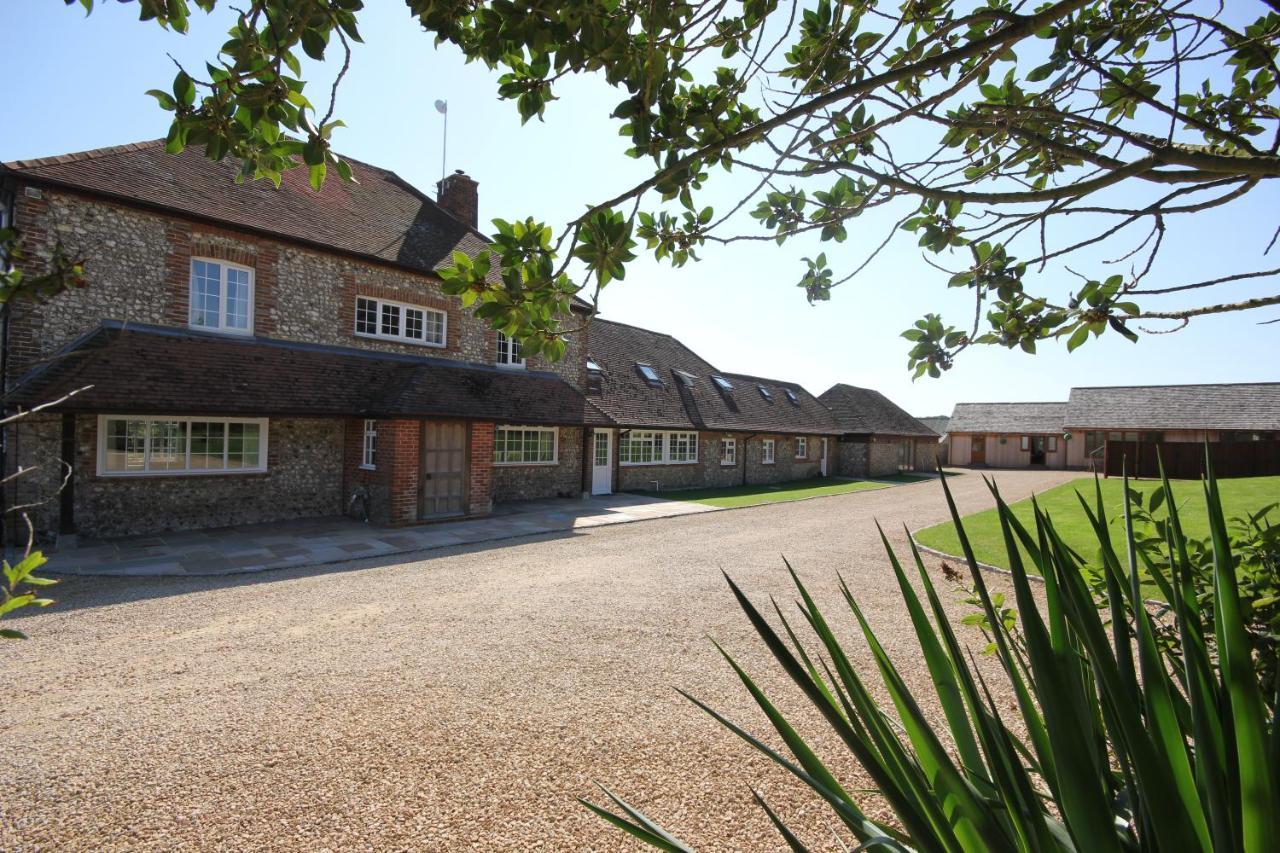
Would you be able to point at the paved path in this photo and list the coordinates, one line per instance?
(457, 702)
(314, 542)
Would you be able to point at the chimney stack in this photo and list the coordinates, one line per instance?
(458, 194)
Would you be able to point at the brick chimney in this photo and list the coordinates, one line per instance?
(458, 195)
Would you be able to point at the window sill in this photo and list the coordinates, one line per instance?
(550, 464)
(728, 464)
(127, 475)
(409, 341)
(368, 467)
(218, 330)
(655, 464)
(505, 366)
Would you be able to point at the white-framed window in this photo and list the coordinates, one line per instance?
(802, 448)
(657, 447)
(509, 354)
(523, 445)
(152, 446)
(369, 445)
(728, 451)
(1026, 442)
(1053, 444)
(399, 321)
(767, 447)
(221, 297)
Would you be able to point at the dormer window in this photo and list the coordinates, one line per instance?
(791, 395)
(650, 375)
(764, 392)
(722, 383)
(509, 352)
(221, 297)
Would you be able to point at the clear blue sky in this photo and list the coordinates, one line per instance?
(75, 83)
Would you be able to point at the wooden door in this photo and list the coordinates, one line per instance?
(444, 468)
(978, 455)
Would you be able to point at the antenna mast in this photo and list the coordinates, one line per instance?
(442, 107)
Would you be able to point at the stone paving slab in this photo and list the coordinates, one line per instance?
(260, 547)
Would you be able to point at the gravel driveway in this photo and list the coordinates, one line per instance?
(461, 702)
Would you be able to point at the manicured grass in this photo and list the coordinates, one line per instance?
(734, 496)
(1239, 497)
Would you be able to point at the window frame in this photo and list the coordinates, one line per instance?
(186, 471)
(663, 441)
(222, 328)
(512, 344)
(802, 447)
(728, 451)
(369, 445)
(523, 463)
(768, 451)
(401, 337)
(1025, 443)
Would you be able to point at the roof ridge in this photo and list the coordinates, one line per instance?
(760, 378)
(598, 319)
(1172, 385)
(81, 156)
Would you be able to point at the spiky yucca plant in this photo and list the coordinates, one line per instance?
(1128, 746)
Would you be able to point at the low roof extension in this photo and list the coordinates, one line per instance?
(1008, 418)
(134, 368)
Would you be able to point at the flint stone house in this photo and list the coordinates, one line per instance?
(260, 354)
(682, 423)
(938, 423)
(878, 438)
(1008, 435)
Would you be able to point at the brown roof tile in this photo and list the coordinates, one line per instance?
(155, 370)
(866, 411)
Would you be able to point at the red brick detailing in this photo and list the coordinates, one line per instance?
(259, 255)
(400, 444)
(410, 295)
(31, 221)
(177, 272)
(480, 469)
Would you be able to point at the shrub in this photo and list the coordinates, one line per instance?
(1130, 744)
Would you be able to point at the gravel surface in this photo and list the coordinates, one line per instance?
(460, 702)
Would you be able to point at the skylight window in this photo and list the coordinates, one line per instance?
(650, 375)
(686, 378)
(791, 395)
(764, 392)
(721, 383)
(593, 366)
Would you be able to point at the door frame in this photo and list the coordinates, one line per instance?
(608, 466)
(976, 458)
(822, 461)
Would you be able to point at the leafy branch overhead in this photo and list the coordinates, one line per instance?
(1008, 138)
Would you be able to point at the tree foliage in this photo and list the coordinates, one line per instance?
(981, 128)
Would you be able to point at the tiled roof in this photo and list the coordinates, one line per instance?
(632, 401)
(155, 370)
(1242, 406)
(937, 423)
(1008, 417)
(862, 410)
(379, 216)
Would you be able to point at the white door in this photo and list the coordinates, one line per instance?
(822, 463)
(602, 462)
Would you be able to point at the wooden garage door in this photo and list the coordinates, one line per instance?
(444, 468)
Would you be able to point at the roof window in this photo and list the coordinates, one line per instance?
(791, 395)
(721, 383)
(594, 366)
(650, 375)
(764, 392)
(686, 378)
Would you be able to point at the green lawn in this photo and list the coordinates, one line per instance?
(1239, 497)
(735, 496)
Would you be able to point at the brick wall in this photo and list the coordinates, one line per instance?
(402, 440)
(530, 482)
(480, 469)
(140, 266)
(303, 479)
